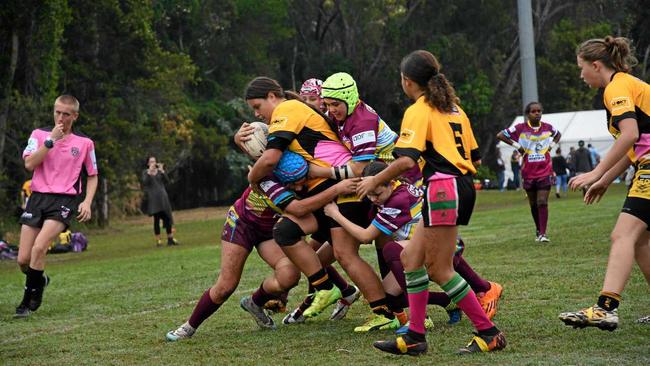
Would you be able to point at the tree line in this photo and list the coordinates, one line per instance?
(166, 77)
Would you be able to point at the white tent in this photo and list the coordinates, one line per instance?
(590, 126)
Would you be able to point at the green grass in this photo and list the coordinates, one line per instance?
(114, 303)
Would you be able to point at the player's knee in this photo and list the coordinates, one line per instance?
(288, 278)
(286, 232)
(392, 251)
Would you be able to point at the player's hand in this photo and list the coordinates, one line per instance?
(331, 209)
(84, 211)
(348, 186)
(367, 185)
(583, 180)
(57, 132)
(596, 192)
(244, 132)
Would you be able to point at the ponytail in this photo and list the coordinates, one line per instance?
(614, 52)
(423, 68)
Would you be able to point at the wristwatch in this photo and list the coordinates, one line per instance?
(49, 143)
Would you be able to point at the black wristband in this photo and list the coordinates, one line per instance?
(49, 143)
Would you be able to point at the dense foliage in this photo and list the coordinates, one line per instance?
(165, 77)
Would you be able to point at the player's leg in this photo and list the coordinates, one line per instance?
(233, 258)
(628, 231)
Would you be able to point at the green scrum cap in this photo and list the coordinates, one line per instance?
(341, 86)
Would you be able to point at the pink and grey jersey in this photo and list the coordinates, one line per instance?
(401, 212)
(366, 135)
(60, 171)
(263, 210)
(537, 145)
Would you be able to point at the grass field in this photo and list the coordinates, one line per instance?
(114, 303)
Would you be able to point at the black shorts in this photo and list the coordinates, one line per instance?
(637, 202)
(354, 210)
(639, 208)
(49, 206)
(448, 201)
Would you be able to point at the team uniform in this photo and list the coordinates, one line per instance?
(250, 219)
(297, 127)
(628, 97)
(401, 212)
(537, 170)
(447, 144)
(54, 195)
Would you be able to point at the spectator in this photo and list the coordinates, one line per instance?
(593, 154)
(500, 170)
(571, 161)
(515, 166)
(158, 205)
(561, 169)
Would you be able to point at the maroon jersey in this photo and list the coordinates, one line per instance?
(536, 142)
(263, 210)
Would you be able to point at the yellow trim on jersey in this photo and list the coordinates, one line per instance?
(294, 116)
(450, 135)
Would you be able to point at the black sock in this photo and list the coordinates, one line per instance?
(609, 300)
(35, 279)
(418, 337)
(348, 291)
(379, 307)
(320, 280)
(488, 332)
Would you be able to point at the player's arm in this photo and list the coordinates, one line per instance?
(264, 165)
(350, 169)
(366, 235)
(84, 209)
(310, 204)
(507, 138)
(394, 170)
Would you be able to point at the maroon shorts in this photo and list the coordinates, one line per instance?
(448, 201)
(242, 233)
(538, 184)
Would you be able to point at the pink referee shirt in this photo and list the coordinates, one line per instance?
(60, 171)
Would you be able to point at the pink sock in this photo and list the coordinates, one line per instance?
(418, 310)
(472, 308)
(543, 218)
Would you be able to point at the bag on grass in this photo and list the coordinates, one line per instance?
(79, 242)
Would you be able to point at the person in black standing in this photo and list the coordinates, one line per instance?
(157, 201)
(515, 166)
(560, 168)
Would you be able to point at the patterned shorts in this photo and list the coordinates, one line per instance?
(242, 233)
(448, 201)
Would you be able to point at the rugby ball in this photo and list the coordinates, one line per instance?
(257, 144)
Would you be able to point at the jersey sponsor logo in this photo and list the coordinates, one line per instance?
(535, 158)
(363, 138)
(406, 135)
(266, 185)
(620, 103)
(32, 145)
(279, 122)
(390, 211)
(75, 151)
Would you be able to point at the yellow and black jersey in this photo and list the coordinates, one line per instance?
(628, 97)
(445, 140)
(297, 127)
